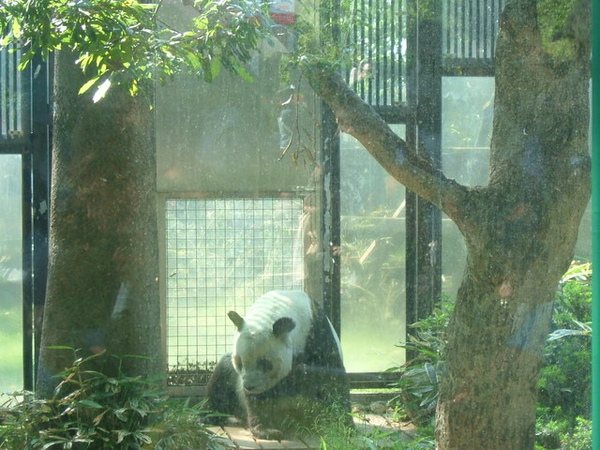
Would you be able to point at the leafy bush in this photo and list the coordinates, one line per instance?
(90, 410)
(565, 380)
(418, 382)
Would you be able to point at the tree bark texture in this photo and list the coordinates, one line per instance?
(520, 229)
(102, 293)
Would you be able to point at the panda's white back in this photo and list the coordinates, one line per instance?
(277, 304)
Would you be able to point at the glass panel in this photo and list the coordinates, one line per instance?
(467, 112)
(238, 170)
(373, 261)
(11, 304)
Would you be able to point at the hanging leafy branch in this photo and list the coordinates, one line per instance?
(125, 42)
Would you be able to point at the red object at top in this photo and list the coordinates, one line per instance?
(282, 12)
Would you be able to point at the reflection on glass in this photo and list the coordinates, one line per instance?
(467, 112)
(11, 317)
(373, 261)
(239, 182)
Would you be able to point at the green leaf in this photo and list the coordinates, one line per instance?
(242, 72)
(215, 68)
(90, 403)
(193, 60)
(88, 85)
(16, 29)
(142, 437)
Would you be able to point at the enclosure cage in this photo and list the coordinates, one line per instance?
(257, 189)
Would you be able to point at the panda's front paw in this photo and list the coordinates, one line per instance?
(271, 434)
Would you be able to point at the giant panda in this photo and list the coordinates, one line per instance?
(285, 370)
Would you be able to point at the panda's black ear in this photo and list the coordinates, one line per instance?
(236, 319)
(283, 326)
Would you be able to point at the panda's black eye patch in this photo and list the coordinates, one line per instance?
(264, 365)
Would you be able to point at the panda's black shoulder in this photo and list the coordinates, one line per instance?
(322, 345)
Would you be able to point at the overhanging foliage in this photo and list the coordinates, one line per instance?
(125, 42)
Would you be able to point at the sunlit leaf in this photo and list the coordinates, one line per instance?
(16, 29)
(194, 61)
(87, 85)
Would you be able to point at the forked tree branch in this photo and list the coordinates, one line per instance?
(360, 120)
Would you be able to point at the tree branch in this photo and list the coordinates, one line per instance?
(355, 117)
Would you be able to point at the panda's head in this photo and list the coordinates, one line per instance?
(262, 355)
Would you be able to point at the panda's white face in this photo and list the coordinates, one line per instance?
(262, 356)
(261, 361)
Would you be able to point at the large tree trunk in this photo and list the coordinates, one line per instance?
(102, 291)
(520, 230)
(520, 233)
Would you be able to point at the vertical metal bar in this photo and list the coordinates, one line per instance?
(478, 19)
(487, 11)
(27, 268)
(378, 49)
(481, 32)
(472, 45)
(455, 22)
(423, 288)
(463, 29)
(596, 224)
(496, 8)
(363, 50)
(411, 140)
(331, 202)
(5, 93)
(330, 199)
(369, 58)
(385, 47)
(391, 43)
(40, 132)
(355, 42)
(397, 37)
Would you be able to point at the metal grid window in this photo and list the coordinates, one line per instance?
(378, 42)
(470, 28)
(222, 254)
(11, 98)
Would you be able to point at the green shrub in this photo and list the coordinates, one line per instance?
(564, 389)
(90, 410)
(418, 381)
(565, 379)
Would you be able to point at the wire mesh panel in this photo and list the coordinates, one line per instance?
(470, 28)
(11, 92)
(378, 42)
(222, 254)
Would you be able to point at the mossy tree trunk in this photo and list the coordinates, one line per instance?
(520, 229)
(102, 293)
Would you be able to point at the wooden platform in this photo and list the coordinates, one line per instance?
(237, 437)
